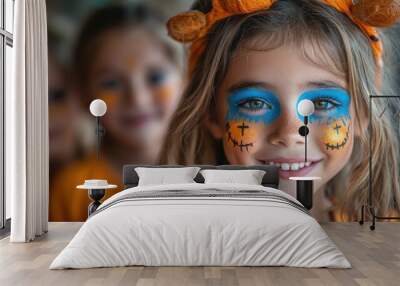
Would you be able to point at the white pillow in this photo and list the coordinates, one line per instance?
(248, 177)
(163, 176)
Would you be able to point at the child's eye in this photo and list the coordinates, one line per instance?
(112, 84)
(325, 104)
(255, 105)
(156, 77)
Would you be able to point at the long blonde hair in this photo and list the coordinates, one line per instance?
(342, 44)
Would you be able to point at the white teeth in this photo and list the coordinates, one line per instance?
(290, 166)
(294, 167)
(285, 167)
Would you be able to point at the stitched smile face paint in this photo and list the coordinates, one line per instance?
(241, 135)
(336, 135)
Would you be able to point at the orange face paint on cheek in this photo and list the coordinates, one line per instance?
(336, 134)
(110, 98)
(164, 94)
(241, 135)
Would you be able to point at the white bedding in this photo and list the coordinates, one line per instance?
(203, 231)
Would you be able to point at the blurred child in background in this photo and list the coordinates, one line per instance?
(123, 57)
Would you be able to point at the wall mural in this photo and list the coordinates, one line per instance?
(121, 53)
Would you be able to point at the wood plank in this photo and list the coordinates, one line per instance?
(375, 257)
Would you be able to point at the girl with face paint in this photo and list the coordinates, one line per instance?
(240, 106)
(123, 57)
(258, 122)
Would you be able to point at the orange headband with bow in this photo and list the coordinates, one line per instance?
(193, 26)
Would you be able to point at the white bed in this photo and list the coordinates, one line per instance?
(223, 225)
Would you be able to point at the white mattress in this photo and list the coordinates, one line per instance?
(200, 231)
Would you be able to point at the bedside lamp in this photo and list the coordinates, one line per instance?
(98, 108)
(305, 108)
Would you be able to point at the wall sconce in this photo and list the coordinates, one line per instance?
(98, 108)
(306, 109)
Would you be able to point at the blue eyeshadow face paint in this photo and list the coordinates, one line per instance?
(330, 104)
(254, 105)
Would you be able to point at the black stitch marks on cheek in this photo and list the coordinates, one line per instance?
(240, 145)
(337, 136)
(243, 127)
(338, 146)
(235, 142)
(337, 128)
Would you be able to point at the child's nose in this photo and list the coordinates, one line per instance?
(285, 132)
(139, 94)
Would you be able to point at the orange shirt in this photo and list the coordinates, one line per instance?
(66, 202)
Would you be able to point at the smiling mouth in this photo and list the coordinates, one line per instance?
(291, 166)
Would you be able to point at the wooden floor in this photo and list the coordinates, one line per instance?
(375, 257)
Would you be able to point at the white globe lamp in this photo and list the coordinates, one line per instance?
(306, 107)
(98, 108)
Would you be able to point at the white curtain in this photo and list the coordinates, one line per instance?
(27, 167)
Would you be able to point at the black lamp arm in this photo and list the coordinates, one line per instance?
(303, 131)
(100, 131)
(305, 120)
